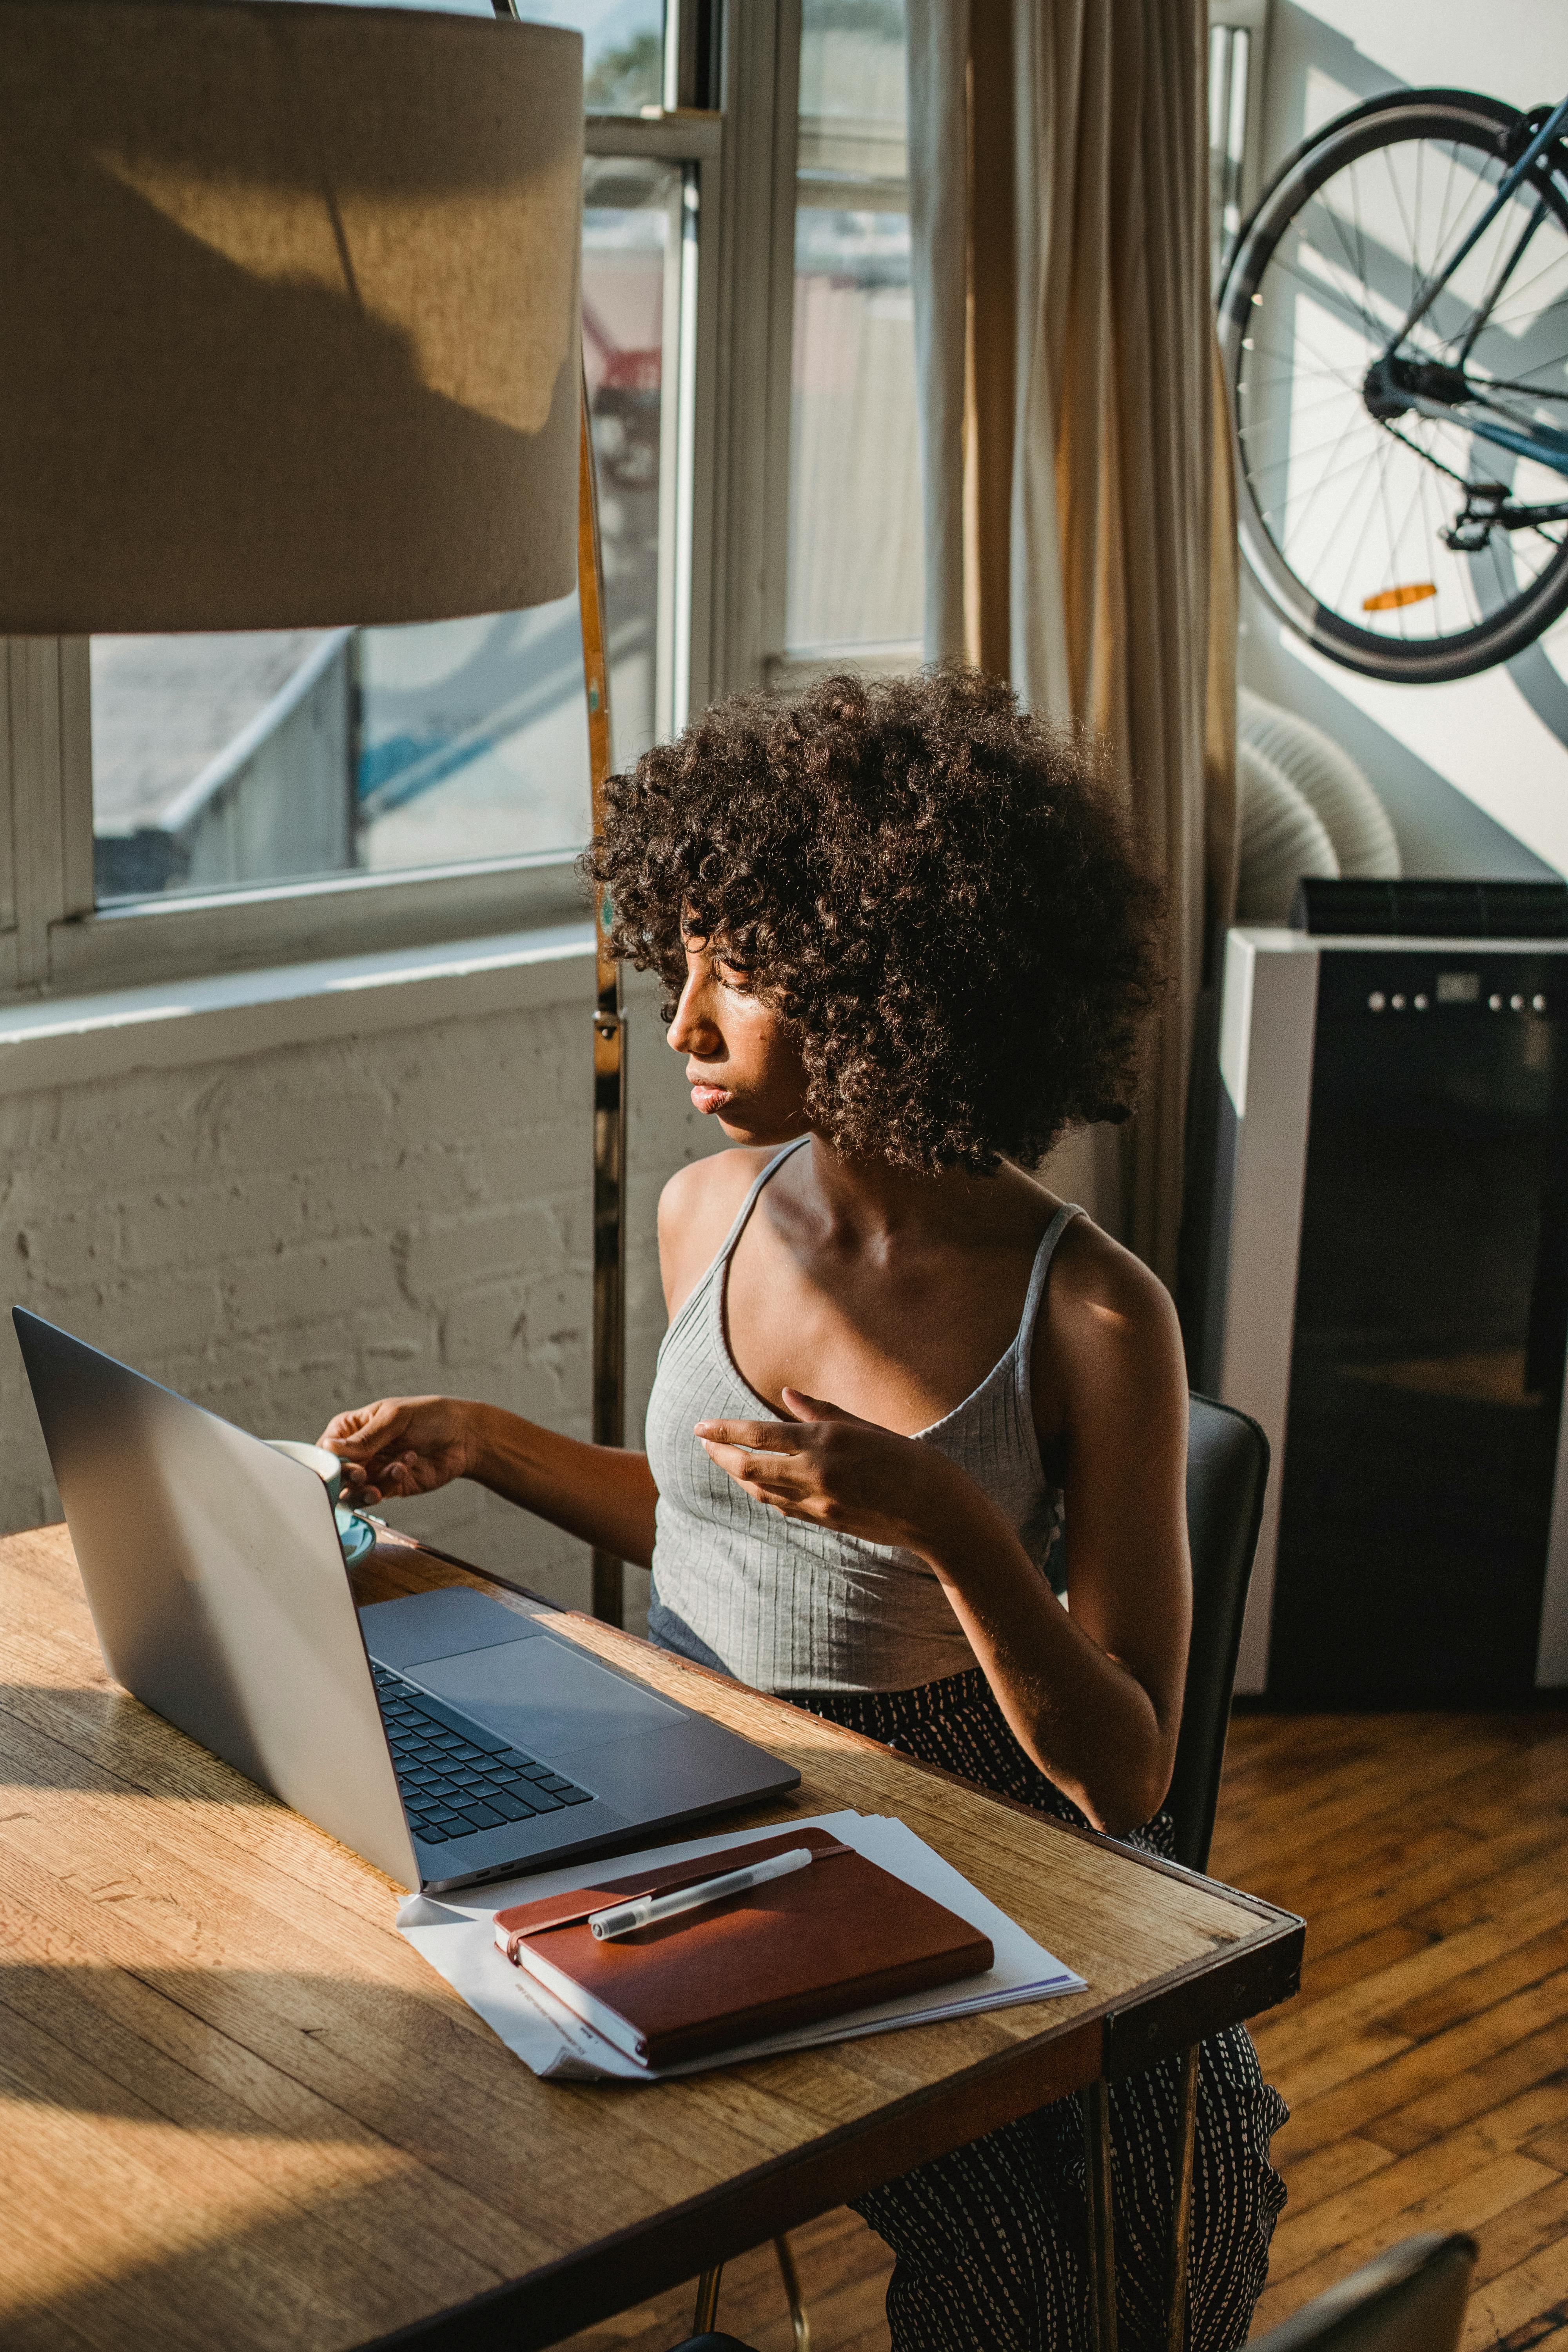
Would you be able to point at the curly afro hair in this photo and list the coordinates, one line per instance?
(934, 889)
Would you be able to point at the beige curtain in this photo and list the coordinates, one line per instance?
(1079, 537)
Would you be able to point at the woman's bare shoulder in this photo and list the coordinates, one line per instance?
(696, 1209)
(1111, 1323)
(1103, 1277)
(703, 1186)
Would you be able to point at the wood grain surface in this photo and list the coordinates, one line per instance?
(240, 2109)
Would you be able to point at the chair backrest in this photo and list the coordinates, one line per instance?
(1227, 1470)
(1411, 2299)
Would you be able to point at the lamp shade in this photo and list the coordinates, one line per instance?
(289, 314)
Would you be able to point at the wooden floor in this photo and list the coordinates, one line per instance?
(1426, 2060)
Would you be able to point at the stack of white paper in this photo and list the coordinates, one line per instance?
(456, 1936)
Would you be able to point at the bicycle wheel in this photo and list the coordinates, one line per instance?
(1344, 508)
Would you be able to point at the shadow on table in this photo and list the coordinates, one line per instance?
(306, 2055)
(96, 1738)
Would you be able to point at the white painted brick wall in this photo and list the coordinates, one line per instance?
(310, 1226)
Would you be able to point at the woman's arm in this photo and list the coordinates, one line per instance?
(1094, 1697)
(401, 1446)
(409, 1445)
(605, 1493)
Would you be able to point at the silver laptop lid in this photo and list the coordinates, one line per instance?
(217, 1588)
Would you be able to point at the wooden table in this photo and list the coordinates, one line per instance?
(240, 2111)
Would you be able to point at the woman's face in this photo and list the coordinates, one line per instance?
(742, 1066)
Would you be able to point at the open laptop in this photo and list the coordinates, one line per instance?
(446, 1737)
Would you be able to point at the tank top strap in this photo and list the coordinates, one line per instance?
(1023, 1345)
(712, 1273)
(764, 1176)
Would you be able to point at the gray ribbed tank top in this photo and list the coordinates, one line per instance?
(787, 1606)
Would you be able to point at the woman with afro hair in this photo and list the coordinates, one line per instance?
(916, 1446)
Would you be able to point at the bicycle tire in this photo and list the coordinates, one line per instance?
(1466, 119)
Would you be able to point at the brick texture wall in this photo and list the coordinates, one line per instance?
(309, 1227)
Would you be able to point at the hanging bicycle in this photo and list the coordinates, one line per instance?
(1394, 321)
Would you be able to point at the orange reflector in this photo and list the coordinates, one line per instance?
(1389, 600)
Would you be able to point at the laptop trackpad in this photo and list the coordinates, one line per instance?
(543, 1696)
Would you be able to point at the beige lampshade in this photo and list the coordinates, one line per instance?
(289, 314)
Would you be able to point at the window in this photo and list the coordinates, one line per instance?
(854, 532)
(224, 762)
(182, 804)
(1238, 34)
(623, 49)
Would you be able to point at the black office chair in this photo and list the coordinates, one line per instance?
(1411, 2299)
(1227, 1470)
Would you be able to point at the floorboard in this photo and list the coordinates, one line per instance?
(1425, 2061)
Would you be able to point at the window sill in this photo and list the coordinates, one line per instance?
(188, 937)
(57, 1041)
(804, 665)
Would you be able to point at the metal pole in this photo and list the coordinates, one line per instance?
(610, 1023)
(1181, 2216)
(798, 2318)
(1101, 2224)
(609, 1042)
(707, 2311)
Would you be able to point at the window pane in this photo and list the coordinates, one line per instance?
(855, 534)
(1230, 58)
(623, 48)
(221, 761)
(632, 229)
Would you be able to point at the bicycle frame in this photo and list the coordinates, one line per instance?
(1544, 442)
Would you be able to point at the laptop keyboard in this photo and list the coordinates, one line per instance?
(454, 1776)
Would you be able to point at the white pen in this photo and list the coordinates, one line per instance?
(624, 1918)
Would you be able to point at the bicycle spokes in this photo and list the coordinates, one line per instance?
(1396, 323)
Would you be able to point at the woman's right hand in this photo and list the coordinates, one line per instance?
(401, 1446)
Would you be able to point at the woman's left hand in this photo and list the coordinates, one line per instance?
(828, 1466)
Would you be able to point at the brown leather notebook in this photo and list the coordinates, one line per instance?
(832, 1937)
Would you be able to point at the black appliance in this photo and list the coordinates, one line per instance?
(1388, 1295)
(1431, 1321)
